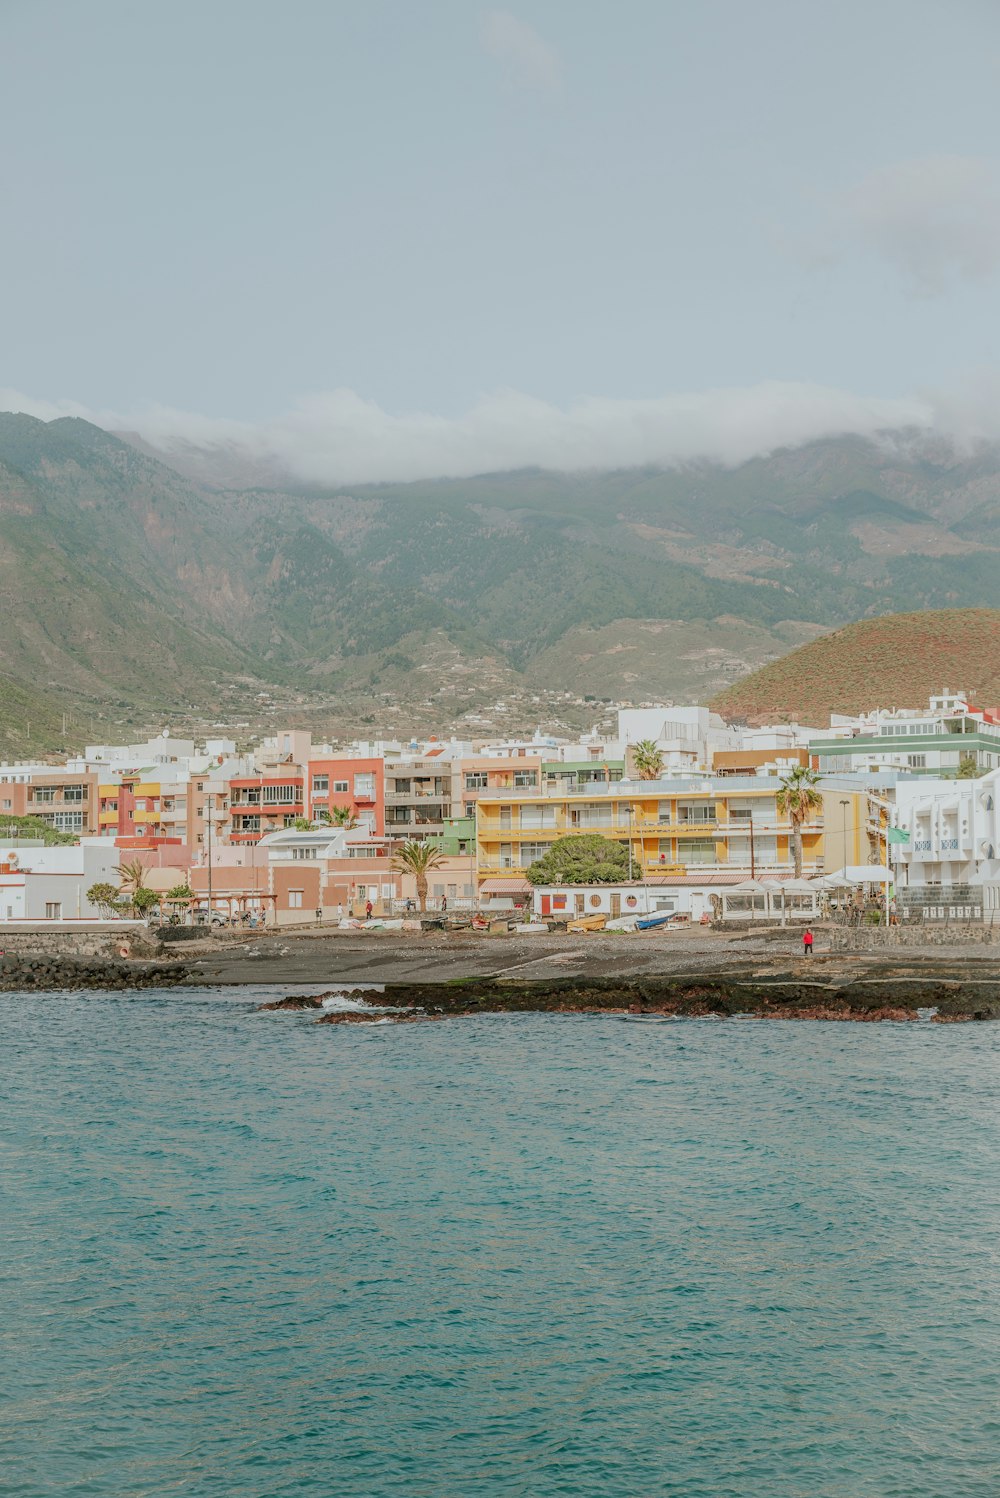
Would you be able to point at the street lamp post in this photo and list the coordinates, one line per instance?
(753, 853)
(844, 805)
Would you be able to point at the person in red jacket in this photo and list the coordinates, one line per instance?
(807, 942)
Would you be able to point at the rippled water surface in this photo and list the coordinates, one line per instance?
(243, 1255)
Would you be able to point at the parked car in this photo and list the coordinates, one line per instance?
(174, 917)
(218, 917)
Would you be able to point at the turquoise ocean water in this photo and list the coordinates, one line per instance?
(243, 1255)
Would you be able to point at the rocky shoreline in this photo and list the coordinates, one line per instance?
(788, 995)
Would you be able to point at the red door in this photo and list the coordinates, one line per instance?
(546, 905)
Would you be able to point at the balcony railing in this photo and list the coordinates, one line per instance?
(651, 866)
(397, 797)
(494, 827)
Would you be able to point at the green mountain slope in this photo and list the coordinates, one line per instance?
(135, 591)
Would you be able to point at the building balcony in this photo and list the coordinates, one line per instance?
(508, 864)
(397, 798)
(640, 828)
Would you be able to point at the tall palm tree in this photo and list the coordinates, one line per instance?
(798, 798)
(417, 858)
(647, 759)
(132, 881)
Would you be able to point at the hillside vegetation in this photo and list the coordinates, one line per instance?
(898, 660)
(134, 593)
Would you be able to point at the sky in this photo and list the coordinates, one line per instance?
(387, 239)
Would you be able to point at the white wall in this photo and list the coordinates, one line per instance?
(954, 828)
(56, 876)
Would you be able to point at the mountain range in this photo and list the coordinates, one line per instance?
(133, 592)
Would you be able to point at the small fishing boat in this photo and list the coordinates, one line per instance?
(651, 922)
(588, 923)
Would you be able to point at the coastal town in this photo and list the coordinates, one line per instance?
(886, 817)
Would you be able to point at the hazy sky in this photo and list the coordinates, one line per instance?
(395, 236)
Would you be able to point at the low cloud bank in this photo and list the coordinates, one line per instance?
(340, 438)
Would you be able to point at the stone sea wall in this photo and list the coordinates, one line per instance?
(39, 971)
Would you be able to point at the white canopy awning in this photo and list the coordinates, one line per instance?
(860, 873)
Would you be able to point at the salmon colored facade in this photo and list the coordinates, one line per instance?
(67, 801)
(348, 783)
(264, 803)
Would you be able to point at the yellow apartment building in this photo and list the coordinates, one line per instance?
(725, 825)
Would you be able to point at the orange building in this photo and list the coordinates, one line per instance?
(264, 803)
(348, 783)
(65, 801)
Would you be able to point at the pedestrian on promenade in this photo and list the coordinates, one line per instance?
(368, 911)
(319, 913)
(340, 910)
(807, 942)
(444, 904)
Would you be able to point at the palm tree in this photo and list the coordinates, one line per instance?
(132, 882)
(798, 798)
(647, 759)
(343, 816)
(417, 858)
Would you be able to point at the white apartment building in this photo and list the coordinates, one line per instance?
(954, 831)
(687, 737)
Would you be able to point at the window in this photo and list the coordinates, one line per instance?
(295, 899)
(532, 852)
(364, 784)
(300, 853)
(917, 761)
(321, 785)
(282, 795)
(525, 780)
(476, 781)
(591, 814)
(43, 793)
(437, 890)
(73, 793)
(538, 816)
(53, 910)
(698, 850)
(340, 787)
(67, 821)
(696, 811)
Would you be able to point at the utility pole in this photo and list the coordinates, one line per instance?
(208, 811)
(753, 854)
